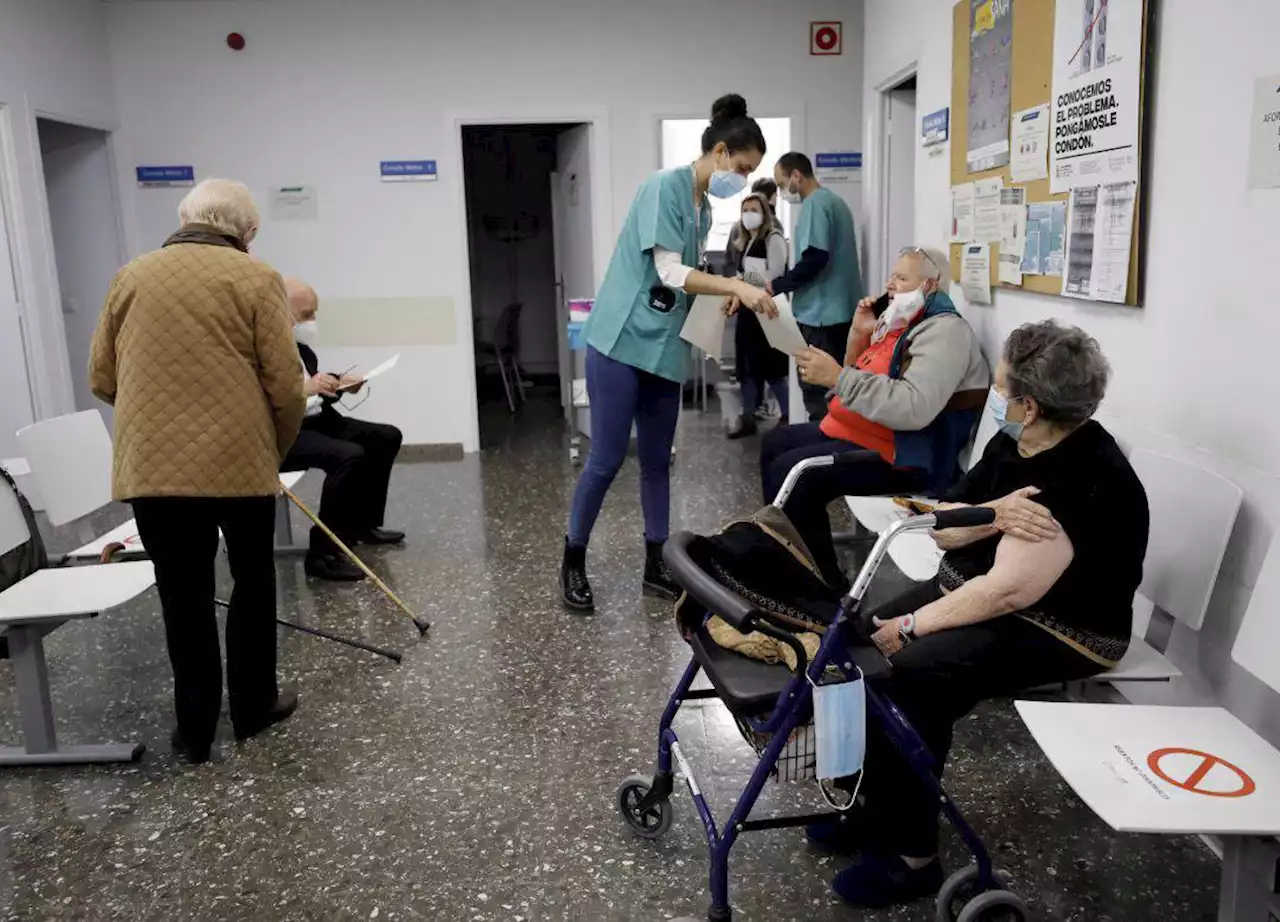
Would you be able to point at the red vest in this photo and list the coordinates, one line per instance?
(846, 425)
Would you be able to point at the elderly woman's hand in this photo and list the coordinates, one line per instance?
(1018, 516)
(887, 638)
(816, 367)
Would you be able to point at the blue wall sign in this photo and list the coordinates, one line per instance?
(160, 177)
(838, 166)
(935, 127)
(409, 171)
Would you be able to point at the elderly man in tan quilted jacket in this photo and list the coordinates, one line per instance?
(195, 350)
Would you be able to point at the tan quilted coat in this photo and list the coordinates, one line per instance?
(195, 349)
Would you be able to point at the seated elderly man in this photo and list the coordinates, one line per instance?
(355, 455)
(1044, 595)
(899, 413)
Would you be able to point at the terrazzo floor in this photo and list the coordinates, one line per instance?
(476, 780)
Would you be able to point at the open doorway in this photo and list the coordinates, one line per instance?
(896, 218)
(83, 219)
(529, 234)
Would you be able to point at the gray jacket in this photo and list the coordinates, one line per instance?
(943, 361)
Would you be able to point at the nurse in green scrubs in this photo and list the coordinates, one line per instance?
(636, 360)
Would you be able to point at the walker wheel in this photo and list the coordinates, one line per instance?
(654, 822)
(995, 906)
(960, 889)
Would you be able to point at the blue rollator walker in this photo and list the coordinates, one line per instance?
(769, 702)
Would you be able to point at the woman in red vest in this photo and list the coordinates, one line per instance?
(901, 408)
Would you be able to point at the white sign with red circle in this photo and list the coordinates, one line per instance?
(826, 38)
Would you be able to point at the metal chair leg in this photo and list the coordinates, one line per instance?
(506, 383)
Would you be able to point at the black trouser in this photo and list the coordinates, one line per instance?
(356, 457)
(180, 535)
(833, 340)
(868, 475)
(937, 680)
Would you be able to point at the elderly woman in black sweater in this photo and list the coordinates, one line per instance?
(1043, 595)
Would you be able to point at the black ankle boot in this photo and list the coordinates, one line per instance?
(575, 589)
(747, 427)
(657, 578)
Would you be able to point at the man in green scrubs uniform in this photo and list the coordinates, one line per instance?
(826, 282)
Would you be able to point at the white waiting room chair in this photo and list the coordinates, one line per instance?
(1193, 512)
(35, 607)
(1186, 770)
(70, 459)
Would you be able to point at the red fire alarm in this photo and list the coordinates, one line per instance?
(235, 41)
(825, 38)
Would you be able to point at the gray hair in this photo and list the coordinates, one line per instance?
(1062, 367)
(934, 263)
(223, 204)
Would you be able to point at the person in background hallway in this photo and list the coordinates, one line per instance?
(194, 350)
(769, 189)
(636, 360)
(356, 456)
(825, 284)
(757, 253)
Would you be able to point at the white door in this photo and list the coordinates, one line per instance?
(16, 407)
(571, 217)
(901, 162)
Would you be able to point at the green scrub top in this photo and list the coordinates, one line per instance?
(636, 319)
(827, 223)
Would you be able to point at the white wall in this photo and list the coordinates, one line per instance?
(53, 62)
(326, 89)
(79, 183)
(1195, 371)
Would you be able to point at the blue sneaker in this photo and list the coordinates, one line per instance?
(837, 835)
(878, 880)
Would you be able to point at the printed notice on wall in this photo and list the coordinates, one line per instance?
(986, 209)
(1099, 237)
(990, 46)
(1097, 67)
(294, 203)
(1030, 145)
(1264, 148)
(975, 273)
(1044, 247)
(962, 201)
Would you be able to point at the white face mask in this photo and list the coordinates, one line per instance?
(789, 195)
(752, 220)
(901, 310)
(305, 332)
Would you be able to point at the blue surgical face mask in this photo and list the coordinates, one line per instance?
(999, 405)
(726, 183)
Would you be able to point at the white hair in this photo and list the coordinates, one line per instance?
(934, 263)
(223, 204)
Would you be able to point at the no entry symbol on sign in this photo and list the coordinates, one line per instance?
(824, 38)
(1201, 773)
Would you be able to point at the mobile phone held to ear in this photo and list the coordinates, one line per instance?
(880, 304)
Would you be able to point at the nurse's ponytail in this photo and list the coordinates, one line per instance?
(731, 124)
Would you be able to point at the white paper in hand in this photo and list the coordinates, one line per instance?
(375, 372)
(782, 331)
(704, 327)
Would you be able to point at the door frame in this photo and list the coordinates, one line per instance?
(597, 119)
(876, 173)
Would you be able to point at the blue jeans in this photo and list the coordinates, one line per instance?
(620, 395)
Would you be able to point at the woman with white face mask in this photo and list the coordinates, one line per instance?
(757, 253)
(636, 360)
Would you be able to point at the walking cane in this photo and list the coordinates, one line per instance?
(422, 624)
(111, 550)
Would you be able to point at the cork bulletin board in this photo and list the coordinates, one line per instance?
(1031, 84)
